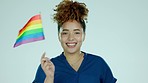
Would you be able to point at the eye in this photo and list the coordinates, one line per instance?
(77, 32)
(64, 33)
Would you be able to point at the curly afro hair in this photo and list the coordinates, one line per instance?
(70, 10)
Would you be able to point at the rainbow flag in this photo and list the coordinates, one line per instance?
(31, 32)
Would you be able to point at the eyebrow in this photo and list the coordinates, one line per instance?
(76, 29)
(73, 30)
(65, 30)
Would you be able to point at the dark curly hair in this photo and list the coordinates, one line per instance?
(70, 10)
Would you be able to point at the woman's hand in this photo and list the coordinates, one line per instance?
(47, 66)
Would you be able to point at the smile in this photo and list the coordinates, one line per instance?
(71, 45)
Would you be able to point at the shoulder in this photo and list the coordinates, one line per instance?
(59, 59)
(96, 59)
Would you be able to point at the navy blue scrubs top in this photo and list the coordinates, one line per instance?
(93, 69)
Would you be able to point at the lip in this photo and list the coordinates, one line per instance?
(71, 44)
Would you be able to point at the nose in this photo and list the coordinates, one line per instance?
(71, 37)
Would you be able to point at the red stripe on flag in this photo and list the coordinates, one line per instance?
(36, 17)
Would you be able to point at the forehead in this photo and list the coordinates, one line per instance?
(71, 25)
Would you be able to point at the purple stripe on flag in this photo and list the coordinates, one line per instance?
(29, 40)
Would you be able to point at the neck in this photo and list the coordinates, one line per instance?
(73, 56)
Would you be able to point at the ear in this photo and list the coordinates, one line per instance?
(59, 34)
(59, 37)
(83, 37)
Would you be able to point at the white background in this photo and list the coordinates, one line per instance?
(116, 29)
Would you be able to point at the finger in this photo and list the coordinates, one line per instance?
(45, 60)
(48, 67)
(42, 58)
(48, 60)
(43, 55)
(47, 64)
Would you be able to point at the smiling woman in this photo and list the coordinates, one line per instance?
(73, 65)
(71, 37)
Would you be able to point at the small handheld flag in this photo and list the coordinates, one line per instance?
(31, 32)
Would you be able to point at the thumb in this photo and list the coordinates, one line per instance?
(43, 55)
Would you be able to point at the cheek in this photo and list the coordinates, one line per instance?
(62, 39)
(81, 38)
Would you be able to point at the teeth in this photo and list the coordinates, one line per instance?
(70, 44)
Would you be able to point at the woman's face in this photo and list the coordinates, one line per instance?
(71, 36)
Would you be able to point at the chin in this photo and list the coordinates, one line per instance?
(72, 51)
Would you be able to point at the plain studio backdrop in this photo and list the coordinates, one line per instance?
(117, 30)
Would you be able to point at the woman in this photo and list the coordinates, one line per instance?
(73, 65)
